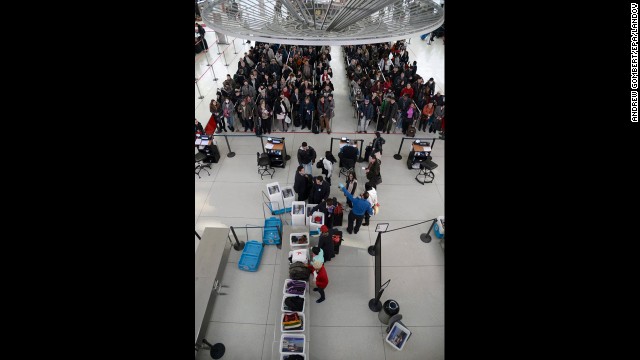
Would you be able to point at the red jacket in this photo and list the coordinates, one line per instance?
(211, 126)
(407, 91)
(322, 280)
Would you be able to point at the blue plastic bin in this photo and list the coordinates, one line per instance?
(271, 232)
(277, 211)
(251, 256)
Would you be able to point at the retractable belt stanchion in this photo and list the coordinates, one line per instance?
(231, 153)
(215, 79)
(218, 46)
(197, 87)
(206, 56)
(224, 57)
(234, 46)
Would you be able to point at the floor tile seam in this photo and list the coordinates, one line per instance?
(205, 201)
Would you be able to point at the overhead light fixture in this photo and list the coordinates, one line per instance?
(323, 22)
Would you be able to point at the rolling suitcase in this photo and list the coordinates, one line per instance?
(411, 131)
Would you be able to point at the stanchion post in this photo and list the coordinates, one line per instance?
(197, 87)
(218, 46)
(206, 56)
(231, 153)
(215, 79)
(398, 156)
(234, 46)
(225, 58)
(239, 244)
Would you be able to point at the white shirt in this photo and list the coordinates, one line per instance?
(373, 197)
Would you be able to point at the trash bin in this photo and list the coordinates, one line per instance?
(389, 308)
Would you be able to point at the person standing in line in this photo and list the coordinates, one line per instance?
(306, 113)
(427, 112)
(323, 114)
(332, 107)
(377, 145)
(321, 279)
(326, 207)
(280, 109)
(326, 243)
(306, 158)
(301, 183)
(431, 87)
(320, 191)
(408, 118)
(373, 171)
(366, 114)
(216, 111)
(352, 184)
(199, 128)
(373, 201)
(246, 111)
(360, 206)
(318, 255)
(202, 34)
(265, 115)
(227, 112)
(327, 165)
(389, 116)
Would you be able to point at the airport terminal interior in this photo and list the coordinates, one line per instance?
(246, 317)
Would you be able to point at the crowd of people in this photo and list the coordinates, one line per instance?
(316, 189)
(386, 88)
(277, 87)
(361, 204)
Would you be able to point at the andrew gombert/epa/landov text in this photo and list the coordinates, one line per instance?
(634, 62)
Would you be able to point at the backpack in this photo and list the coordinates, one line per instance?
(338, 209)
(299, 271)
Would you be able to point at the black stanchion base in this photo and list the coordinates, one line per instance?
(231, 154)
(215, 79)
(239, 245)
(217, 351)
(371, 250)
(288, 157)
(397, 157)
(426, 238)
(200, 97)
(375, 306)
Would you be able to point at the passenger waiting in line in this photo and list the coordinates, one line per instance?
(320, 191)
(306, 157)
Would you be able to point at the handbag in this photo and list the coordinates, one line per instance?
(319, 164)
(287, 119)
(280, 116)
(376, 209)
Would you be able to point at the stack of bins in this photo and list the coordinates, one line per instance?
(292, 341)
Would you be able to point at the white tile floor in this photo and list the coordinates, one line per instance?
(342, 326)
